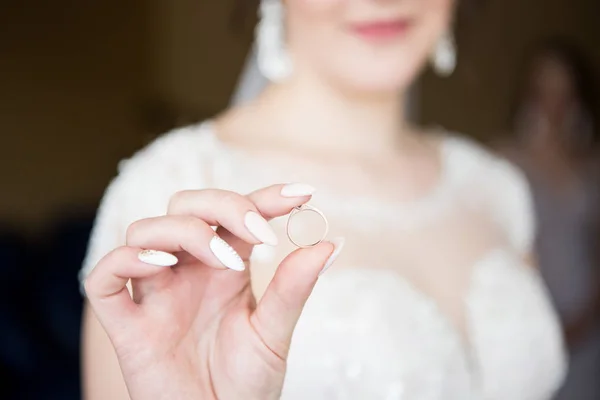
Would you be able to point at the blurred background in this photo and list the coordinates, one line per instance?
(85, 84)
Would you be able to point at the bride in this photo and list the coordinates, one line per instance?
(435, 294)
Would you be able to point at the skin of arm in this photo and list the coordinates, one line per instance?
(101, 374)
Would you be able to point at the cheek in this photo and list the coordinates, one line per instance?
(316, 33)
(313, 25)
(381, 67)
(315, 8)
(369, 68)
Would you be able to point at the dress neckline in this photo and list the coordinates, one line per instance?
(401, 214)
(452, 177)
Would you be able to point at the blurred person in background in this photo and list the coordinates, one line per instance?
(556, 144)
(434, 296)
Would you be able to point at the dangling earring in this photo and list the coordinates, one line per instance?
(273, 59)
(444, 55)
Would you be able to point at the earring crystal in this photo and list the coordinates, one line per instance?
(273, 59)
(444, 55)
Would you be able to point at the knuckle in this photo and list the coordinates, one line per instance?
(134, 228)
(88, 285)
(104, 266)
(177, 199)
(229, 198)
(232, 200)
(117, 253)
(194, 227)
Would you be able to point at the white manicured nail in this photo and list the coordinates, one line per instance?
(338, 245)
(157, 258)
(226, 254)
(297, 190)
(260, 228)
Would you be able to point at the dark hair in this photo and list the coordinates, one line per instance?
(576, 62)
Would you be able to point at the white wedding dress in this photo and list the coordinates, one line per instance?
(374, 327)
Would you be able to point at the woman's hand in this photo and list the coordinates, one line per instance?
(193, 329)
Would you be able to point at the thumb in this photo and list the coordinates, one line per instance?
(280, 307)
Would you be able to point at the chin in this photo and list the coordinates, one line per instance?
(394, 77)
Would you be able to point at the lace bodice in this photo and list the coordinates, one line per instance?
(429, 300)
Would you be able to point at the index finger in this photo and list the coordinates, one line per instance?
(106, 286)
(270, 202)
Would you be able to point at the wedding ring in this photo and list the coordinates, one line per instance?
(306, 208)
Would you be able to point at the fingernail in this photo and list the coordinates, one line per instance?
(260, 228)
(226, 254)
(297, 190)
(338, 245)
(157, 258)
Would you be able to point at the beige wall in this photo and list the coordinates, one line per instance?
(86, 84)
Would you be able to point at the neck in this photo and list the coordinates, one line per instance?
(316, 116)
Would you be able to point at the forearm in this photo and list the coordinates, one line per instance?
(101, 375)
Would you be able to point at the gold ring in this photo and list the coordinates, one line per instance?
(298, 210)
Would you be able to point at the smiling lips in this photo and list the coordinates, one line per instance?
(381, 30)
